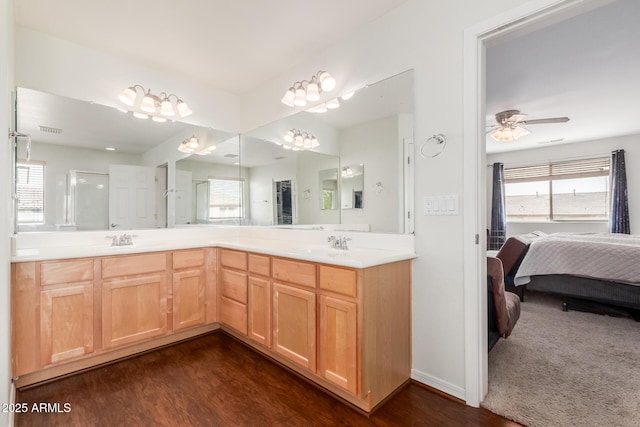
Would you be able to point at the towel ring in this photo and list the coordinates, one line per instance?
(433, 146)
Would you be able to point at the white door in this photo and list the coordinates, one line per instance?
(183, 197)
(131, 197)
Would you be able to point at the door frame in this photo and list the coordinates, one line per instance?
(294, 199)
(476, 38)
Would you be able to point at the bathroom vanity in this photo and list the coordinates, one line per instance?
(340, 318)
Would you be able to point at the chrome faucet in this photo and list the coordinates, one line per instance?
(122, 240)
(338, 242)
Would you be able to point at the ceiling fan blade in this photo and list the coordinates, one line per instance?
(517, 118)
(543, 121)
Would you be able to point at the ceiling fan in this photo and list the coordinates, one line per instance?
(509, 127)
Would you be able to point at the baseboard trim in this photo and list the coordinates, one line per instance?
(438, 384)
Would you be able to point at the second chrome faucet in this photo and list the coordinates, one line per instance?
(338, 242)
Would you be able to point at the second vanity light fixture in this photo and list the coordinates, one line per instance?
(159, 107)
(309, 90)
(297, 140)
(192, 146)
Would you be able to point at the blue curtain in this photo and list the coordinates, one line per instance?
(498, 231)
(619, 218)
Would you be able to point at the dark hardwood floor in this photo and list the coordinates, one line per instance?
(215, 380)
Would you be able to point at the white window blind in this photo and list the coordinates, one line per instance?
(559, 170)
(225, 198)
(30, 192)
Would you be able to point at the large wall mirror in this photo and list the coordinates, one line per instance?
(325, 186)
(92, 167)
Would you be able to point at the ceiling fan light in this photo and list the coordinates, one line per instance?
(128, 96)
(507, 135)
(519, 131)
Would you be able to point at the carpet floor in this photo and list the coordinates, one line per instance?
(566, 368)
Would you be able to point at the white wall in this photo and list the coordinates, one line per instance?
(597, 148)
(374, 144)
(309, 166)
(6, 83)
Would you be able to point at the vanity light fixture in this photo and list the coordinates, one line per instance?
(331, 104)
(347, 172)
(159, 107)
(299, 140)
(192, 146)
(309, 90)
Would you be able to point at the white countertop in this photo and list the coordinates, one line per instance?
(290, 244)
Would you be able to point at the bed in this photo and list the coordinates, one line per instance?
(599, 267)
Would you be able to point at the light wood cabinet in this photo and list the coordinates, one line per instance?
(259, 328)
(133, 309)
(66, 323)
(189, 288)
(294, 323)
(338, 361)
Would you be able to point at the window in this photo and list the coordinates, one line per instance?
(225, 198)
(30, 192)
(561, 191)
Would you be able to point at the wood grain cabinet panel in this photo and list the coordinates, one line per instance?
(61, 272)
(260, 264)
(297, 272)
(66, 323)
(133, 264)
(188, 259)
(338, 343)
(233, 285)
(233, 314)
(189, 305)
(233, 259)
(133, 309)
(340, 280)
(259, 328)
(294, 323)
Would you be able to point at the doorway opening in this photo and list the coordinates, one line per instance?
(284, 208)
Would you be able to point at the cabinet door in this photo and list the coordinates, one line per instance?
(133, 309)
(260, 310)
(66, 323)
(188, 299)
(294, 317)
(338, 342)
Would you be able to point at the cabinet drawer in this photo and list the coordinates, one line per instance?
(233, 259)
(234, 285)
(233, 314)
(133, 264)
(340, 280)
(298, 272)
(57, 272)
(187, 259)
(259, 264)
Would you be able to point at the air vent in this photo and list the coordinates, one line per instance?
(231, 156)
(553, 141)
(48, 129)
(279, 158)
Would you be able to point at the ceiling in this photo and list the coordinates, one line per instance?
(586, 68)
(230, 45)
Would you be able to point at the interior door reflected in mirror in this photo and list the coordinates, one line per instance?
(329, 196)
(352, 186)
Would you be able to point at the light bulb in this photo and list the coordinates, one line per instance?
(314, 142)
(333, 104)
(307, 141)
(148, 103)
(138, 115)
(347, 96)
(183, 108)
(193, 142)
(288, 137)
(128, 96)
(299, 142)
(288, 97)
(301, 97)
(327, 82)
(166, 108)
(313, 94)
